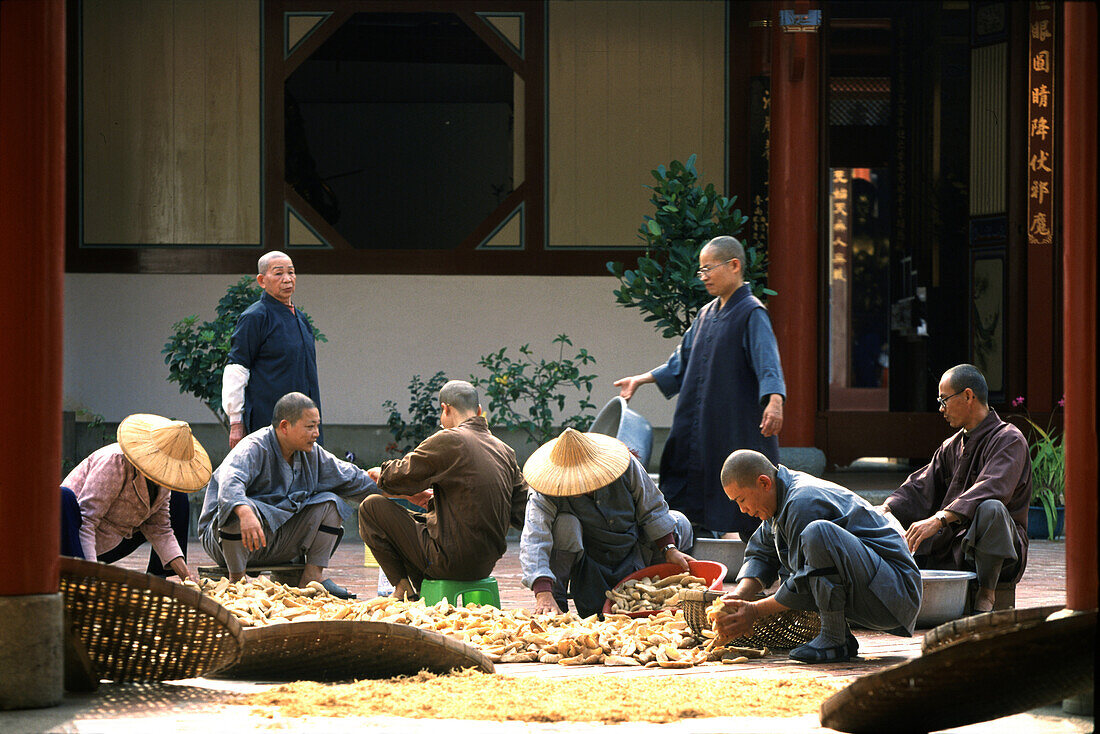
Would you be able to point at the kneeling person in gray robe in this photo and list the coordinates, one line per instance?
(595, 517)
(274, 498)
(834, 553)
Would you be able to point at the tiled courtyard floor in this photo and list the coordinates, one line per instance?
(203, 705)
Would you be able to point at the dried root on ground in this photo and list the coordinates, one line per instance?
(505, 636)
(499, 698)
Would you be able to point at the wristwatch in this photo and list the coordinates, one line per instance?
(942, 517)
(667, 548)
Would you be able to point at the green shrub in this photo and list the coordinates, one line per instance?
(686, 216)
(423, 418)
(527, 396)
(196, 354)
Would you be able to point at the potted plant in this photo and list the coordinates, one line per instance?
(1046, 515)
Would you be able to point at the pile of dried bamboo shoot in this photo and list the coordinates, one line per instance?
(505, 636)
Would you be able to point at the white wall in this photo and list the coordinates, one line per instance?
(382, 329)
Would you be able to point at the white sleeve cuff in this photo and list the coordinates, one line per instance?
(234, 380)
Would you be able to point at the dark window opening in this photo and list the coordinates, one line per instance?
(399, 131)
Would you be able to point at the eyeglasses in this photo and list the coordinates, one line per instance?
(704, 271)
(943, 401)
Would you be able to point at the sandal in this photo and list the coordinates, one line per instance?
(813, 655)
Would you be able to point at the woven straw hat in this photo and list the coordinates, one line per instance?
(164, 451)
(576, 463)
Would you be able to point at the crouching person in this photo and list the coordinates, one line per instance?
(274, 498)
(595, 517)
(834, 553)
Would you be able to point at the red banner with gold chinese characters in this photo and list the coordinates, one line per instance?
(1040, 124)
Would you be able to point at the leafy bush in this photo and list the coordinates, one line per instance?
(424, 414)
(1048, 467)
(686, 216)
(526, 395)
(196, 354)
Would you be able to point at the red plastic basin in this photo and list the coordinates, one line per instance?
(710, 571)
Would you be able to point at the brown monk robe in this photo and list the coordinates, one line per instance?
(472, 487)
(967, 509)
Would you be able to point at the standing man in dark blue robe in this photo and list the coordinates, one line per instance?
(272, 352)
(731, 388)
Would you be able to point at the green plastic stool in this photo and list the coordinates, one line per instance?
(482, 591)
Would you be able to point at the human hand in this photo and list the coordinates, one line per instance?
(252, 530)
(183, 571)
(921, 531)
(628, 385)
(545, 604)
(236, 433)
(747, 588)
(421, 499)
(681, 559)
(375, 473)
(736, 619)
(772, 421)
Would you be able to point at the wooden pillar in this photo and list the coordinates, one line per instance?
(793, 217)
(32, 241)
(1079, 202)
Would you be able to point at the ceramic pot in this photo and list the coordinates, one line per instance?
(1037, 522)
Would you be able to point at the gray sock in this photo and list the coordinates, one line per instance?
(834, 631)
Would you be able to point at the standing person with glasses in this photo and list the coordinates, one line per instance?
(967, 509)
(727, 373)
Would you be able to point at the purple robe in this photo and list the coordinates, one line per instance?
(993, 462)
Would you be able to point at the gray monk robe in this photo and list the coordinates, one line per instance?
(618, 522)
(834, 552)
(255, 473)
(478, 492)
(991, 463)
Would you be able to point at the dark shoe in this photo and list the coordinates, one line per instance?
(813, 655)
(336, 590)
(853, 646)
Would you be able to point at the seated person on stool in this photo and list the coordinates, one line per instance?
(121, 495)
(834, 552)
(471, 485)
(967, 509)
(274, 498)
(595, 517)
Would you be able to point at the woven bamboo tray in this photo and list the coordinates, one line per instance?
(781, 631)
(141, 628)
(344, 650)
(976, 679)
(981, 626)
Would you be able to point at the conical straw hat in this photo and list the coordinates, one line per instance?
(576, 463)
(164, 451)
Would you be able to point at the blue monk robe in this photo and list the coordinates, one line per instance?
(276, 346)
(724, 370)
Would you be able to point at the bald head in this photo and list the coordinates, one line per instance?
(268, 258)
(726, 248)
(743, 466)
(460, 395)
(964, 376)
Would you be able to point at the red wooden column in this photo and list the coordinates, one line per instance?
(32, 238)
(793, 216)
(1079, 204)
